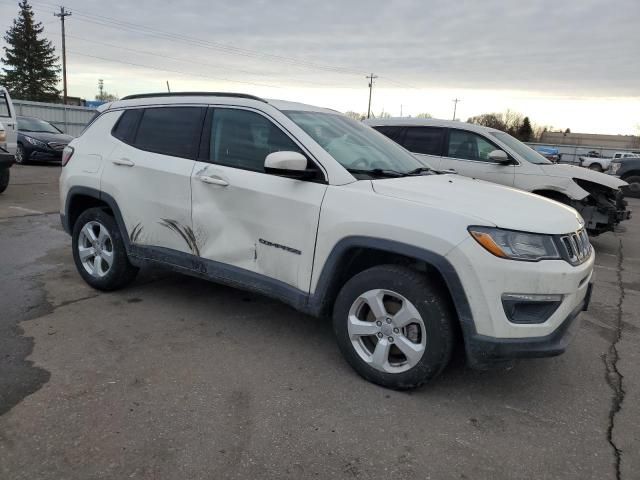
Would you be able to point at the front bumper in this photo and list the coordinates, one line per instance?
(489, 335)
(484, 351)
(43, 154)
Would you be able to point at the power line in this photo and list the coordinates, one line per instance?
(179, 72)
(63, 13)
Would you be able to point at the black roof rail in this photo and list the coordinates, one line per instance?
(193, 94)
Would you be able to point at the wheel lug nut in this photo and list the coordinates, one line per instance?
(396, 330)
(379, 323)
(390, 339)
(379, 334)
(388, 320)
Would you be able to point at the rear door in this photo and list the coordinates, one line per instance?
(249, 219)
(468, 154)
(149, 174)
(8, 121)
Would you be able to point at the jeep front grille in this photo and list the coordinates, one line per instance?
(576, 247)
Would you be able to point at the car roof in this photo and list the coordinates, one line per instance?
(207, 98)
(427, 122)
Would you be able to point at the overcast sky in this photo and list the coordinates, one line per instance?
(571, 63)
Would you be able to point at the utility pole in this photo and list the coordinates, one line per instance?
(371, 78)
(63, 13)
(455, 106)
(100, 89)
(168, 88)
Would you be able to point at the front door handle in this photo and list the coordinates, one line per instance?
(124, 162)
(213, 180)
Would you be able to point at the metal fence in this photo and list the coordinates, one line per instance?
(67, 118)
(572, 153)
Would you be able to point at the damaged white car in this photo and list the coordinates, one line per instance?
(495, 156)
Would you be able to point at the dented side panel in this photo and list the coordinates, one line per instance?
(259, 222)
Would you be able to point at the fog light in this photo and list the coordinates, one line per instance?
(530, 308)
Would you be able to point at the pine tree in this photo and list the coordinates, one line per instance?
(30, 64)
(525, 132)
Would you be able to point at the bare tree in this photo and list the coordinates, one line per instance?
(424, 115)
(355, 115)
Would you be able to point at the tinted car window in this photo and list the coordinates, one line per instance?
(243, 139)
(426, 140)
(171, 131)
(394, 133)
(4, 106)
(469, 146)
(127, 123)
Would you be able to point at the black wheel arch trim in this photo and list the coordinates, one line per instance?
(318, 300)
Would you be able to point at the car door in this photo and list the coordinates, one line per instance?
(426, 143)
(467, 153)
(8, 121)
(246, 218)
(149, 174)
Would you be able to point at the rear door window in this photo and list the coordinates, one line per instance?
(394, 133)
(171, 131)
(425, 140)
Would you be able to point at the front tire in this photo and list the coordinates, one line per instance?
(99, 251)
(595, 167)
(22, 157)
(4, 179)
(394, 326)
(633, 190)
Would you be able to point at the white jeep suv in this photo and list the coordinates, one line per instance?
(495, 156)
(329, 216)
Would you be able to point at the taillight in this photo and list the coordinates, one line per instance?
(3, 136)
(66, 155)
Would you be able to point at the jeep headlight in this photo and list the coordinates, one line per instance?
(516, 245)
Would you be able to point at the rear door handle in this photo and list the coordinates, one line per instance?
(213, 180)
(124, 162)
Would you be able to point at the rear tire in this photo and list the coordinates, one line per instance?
(595, 167)
(628, 191)
(4, 179)
(99, 252)
(410, 314)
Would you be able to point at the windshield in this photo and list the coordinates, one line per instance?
(35, 125)
(355, 146)
(524, 151)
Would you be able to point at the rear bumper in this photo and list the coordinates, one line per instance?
(484, 351)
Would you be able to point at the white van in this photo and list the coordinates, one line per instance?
(489, 154)
(8, 123)
(8, 137)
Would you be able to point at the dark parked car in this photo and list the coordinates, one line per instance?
(39, 140)
(628, 169)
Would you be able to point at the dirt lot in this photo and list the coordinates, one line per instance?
(174, 377)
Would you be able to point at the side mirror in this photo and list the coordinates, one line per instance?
(288, 164)
(500, 156)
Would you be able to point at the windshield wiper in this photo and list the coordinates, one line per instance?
(378, 172)
(419, 171)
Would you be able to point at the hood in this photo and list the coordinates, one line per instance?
(48, 137)
(573, 171)
(493, 204)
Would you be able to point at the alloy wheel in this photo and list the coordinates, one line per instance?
(386, 331)
(95, 249)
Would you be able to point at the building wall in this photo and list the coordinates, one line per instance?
(615, 142)
(67, 118)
